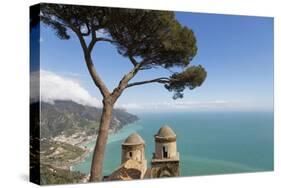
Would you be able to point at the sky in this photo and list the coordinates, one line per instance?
(236, 51)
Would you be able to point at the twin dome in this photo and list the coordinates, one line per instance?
(136, 139)
(165, 158)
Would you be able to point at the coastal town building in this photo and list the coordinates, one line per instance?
(164, 163)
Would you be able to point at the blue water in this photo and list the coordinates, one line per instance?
(208, 142)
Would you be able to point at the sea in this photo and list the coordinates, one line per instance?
(208, 142)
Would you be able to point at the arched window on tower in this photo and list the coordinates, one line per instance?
(165, 152)
(131, 154)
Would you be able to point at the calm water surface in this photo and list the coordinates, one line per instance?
(208, 142)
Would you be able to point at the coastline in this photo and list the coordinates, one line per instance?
(85, 144)
(89, 145)
(114, 136)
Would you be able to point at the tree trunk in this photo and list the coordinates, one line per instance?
(98, 156)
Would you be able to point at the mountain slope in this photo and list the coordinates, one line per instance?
(68, 117)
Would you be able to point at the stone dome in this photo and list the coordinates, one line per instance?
(133, 139)
(166, 132)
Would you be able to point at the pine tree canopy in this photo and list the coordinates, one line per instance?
(154, 38)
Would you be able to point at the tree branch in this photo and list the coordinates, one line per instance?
(94, 38)
(133, 61)
(80, 37)
(88, 60)
(124, 82)
(162, 80)
(95, 77)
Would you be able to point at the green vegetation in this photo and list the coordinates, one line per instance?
(68, 117)
(58, 153)
(71, 124)
(51, 175)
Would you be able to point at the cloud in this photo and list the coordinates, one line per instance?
(73, 75)
(178, 105)
(56, 87)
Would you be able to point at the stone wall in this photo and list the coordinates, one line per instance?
(165, 169)
(137, 153)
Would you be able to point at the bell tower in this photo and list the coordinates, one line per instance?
(133, 148)
(165, 160)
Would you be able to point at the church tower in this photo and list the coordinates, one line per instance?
(165, 160)
(133, 148)
(133, 153)
(133, 164)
